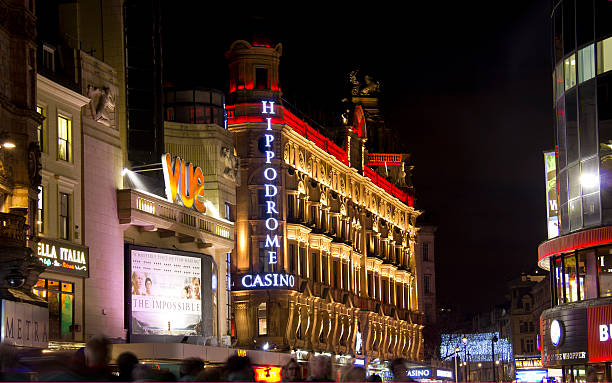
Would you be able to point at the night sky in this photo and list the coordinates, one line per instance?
(468, 84)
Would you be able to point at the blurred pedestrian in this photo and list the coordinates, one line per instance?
(399, 368)
(353, 374)
(374, 378)
(319, 369)
(210, 374)
(190, 368)
(97, 356)
(239, 369)
(291, 371)
(126, 362)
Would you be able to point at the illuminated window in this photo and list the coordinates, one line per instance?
(64, 138)
(64, 216)
(42, 128)
(604, 264)
(40, 211)
(586, 63)
(262, 319)
(228, 211)
(60, 296)
(569, 66)
(570, 279)
(604, 55)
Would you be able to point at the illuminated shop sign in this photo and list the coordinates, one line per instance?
(531, 375)
(23, 324)
(419, 372)
(552, 197)
(269, 374)
(556, 333)
(599, 336)
(271, 191)
(528, 362)
(444, 374)
(267, 280)
(64, 257)
(184, 183)
(564, 340)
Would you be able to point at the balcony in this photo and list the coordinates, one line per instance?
(152, 213)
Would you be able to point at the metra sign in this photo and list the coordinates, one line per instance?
(184, 183)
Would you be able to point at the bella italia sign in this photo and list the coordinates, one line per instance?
(64, 258)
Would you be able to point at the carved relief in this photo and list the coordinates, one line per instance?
(301, 160)
(229, 164)
(286, 153)
(102, 105)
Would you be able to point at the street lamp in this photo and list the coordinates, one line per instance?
(456, 377)
(467, 371)
(493, 340)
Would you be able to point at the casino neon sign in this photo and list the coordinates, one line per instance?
(272, 243)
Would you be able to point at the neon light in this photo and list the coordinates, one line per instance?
(184, 184)
(253, 281)
(270, 174)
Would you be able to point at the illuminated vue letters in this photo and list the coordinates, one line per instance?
(184, 184)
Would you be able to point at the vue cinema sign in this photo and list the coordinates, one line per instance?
(184, 183)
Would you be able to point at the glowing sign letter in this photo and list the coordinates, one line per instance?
(271, 207)
(171, 178)
(272, 242)
(272, 257)
(187, 184)
(604, 335)
(269, 156)
(269, 139)
(271, 190)
(270, 174)
(198, 190)
(271, 224)
(267, 109)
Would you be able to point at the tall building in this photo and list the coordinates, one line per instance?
(325, 255)
(575, 331)
(426, 264)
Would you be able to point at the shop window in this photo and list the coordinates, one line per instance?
(40, 211)
(586, 63)
(262, 319)
(604, 55)
(64, 138)
(64, 216)
(558, 276)
(570, 279)
(569, 68)
(587, 272)
(42, 128)
(60, 297)
(604, 264)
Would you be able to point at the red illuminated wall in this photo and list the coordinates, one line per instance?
(596, 316)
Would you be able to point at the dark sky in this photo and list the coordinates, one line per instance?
(467, 83)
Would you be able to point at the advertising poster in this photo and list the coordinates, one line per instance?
(552, 209)
(166, 294)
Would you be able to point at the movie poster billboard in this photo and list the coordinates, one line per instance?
(552, 208)
(166, 294)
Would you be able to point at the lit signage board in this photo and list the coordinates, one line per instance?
(269, 374)
(184, 183)
(267, 281)
(165, 293)
(444, 374)
(552, 195)
(599, 324)
(64, 257)
(531, 375)
(527, 362)
(419, 372)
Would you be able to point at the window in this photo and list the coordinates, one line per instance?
(262, 319)
(570, 279)
(40, 211)
(324, 270)
(292, 258)
(64, 138)
(569, 66)
(558, 275)
(261, 78)
(60, 296)
(559, 81)
(314, 273)
(427, 284)
(425, 249)
(529, 345)
(49, 57)
(385, 290)
(264, 261)
(64, 216)
(228, 212)
(586, 63)
(42, 128)
(604, 55)
(604, 264)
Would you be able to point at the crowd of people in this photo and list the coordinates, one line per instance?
(91, 364)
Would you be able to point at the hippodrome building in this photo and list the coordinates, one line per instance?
(324, 256)
(576, 332)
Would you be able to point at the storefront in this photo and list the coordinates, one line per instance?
(530, 369)
(577, 341)
(61, 285)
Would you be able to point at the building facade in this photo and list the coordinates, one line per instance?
(574, 330)
(324, 261)
(426, 264)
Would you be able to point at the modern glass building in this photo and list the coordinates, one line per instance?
(580, 258)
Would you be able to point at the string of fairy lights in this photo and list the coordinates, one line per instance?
(478, 347)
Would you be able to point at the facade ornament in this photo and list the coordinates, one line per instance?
(34, 165)
(371, 87)
(354, 82)
(230, 164)
(286, 153)
(102, 105)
